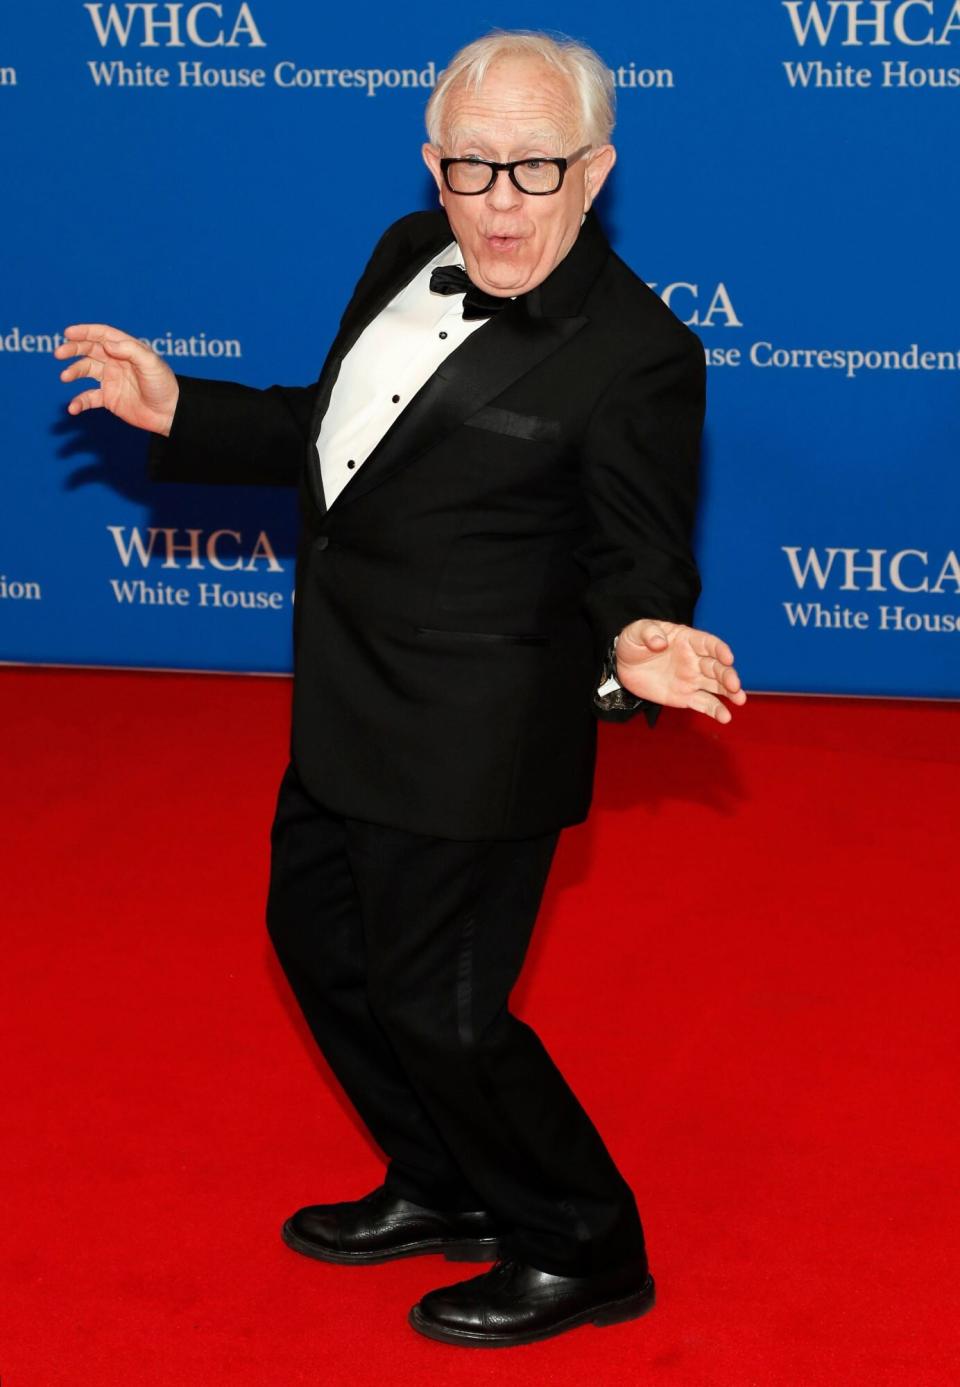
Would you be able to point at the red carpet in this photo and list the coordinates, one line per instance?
(747, 968)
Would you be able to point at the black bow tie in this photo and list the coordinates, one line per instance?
(453, 279)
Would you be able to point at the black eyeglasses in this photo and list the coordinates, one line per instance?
(538, 177)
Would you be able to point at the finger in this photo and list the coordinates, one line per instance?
(95, 332)
(711, 667)
(649, 634)
(90, 399)
(725, 675)
(128, 349)
(733, 685)
(86, 367)
(712, 686)
(122, 348)
(703, 643)
(720, 690)
(84, 347)
(702, 702)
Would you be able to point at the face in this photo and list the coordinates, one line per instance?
(523, 109)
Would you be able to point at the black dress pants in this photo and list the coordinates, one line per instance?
(402, 951)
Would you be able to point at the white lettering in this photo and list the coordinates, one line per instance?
(215, 595)
(155, 19)
(149, 594)
(12, 590)
(113, 23)
(212, 549)
(818, 74)
(172, 547)
(193, 34)
(192, 547)
(865, 22)
(151, 24)
(880, 570)
(821, 574)
(950, 572)
(144, 552)
(721, 303)
(263, 549)
(836, 618)
(814, 19)
(852, 568)
(938, 623)
(900, 22)
(895, 563)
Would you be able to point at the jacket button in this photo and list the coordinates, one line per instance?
(322, 542)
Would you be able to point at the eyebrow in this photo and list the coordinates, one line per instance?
(533, 140)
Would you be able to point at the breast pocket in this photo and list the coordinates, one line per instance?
(532, 427)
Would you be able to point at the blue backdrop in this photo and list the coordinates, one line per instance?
(213, 176)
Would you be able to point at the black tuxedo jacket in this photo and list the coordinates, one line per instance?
(454, 603)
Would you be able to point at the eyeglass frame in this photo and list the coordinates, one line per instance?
(562, 164)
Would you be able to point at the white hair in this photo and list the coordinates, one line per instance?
(588, 74)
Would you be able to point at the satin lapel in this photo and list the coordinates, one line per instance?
(487, 363)
(360, 313)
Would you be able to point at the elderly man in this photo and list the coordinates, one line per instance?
(497, 481)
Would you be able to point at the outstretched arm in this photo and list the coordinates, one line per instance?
(204, 430)
(641, 458)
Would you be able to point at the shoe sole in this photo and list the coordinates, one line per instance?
(613, 1312)
(453, 1249)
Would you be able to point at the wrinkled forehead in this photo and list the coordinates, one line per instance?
(520, 103)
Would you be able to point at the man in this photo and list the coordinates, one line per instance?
(497, 481)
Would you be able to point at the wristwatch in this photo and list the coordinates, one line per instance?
(611, 696)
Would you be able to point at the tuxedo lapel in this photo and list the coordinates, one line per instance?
(486, 364)
(360, 314)
(505, 348)
(373, 294)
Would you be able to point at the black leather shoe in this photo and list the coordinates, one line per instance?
(381, 1227)
(515, 1304)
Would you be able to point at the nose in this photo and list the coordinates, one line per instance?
(503, 196)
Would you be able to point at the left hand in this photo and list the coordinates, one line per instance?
(679, 667)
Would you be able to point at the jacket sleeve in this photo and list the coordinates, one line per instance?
(230, 433)
(640, 464)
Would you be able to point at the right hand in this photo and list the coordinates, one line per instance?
(134, 383)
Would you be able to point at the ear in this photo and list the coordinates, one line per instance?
(431, 157)
(599, 163)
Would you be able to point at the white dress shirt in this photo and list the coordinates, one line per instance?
(393, 357)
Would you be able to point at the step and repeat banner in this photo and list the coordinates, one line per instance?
(212, 176)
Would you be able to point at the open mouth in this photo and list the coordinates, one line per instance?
(503, 243)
